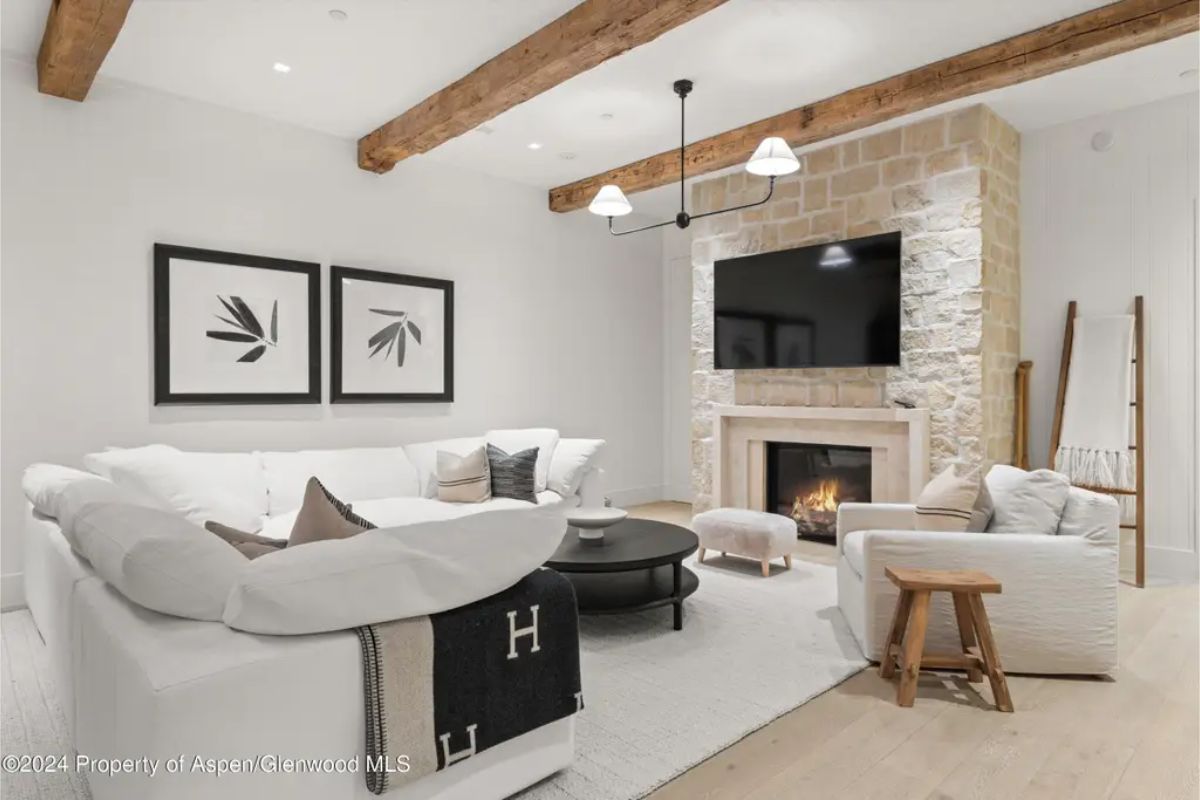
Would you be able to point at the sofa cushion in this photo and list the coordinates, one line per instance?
(951, 503)
(1026, 502)
(62, 492)
(1090, 515)
(226, 487)
(571, 461)
(464, 478)
(353, 474)
(391, 573)
(322, 517)
(852, 549)
(158, 559)
(513, 474)
(423, 456)
(516, 440)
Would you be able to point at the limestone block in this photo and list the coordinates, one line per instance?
(824, 160)
(925, 136)
(855, 181)
(881, 145)
(816, 194)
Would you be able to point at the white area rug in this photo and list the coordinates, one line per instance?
(658, 701)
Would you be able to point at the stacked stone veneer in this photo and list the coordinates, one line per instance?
(949, 184)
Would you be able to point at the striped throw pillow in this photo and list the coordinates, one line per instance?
(513, 475)
(951, 503)
(465, 478)
(322, 516)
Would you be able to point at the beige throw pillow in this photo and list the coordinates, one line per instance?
(951, 503)
(322, 516)
(464, 479)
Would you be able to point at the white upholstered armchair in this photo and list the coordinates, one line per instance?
(1057, 613)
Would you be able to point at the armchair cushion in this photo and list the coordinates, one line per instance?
(1026, 502)
(1090, 515)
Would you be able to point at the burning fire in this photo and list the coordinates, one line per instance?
(824, 498)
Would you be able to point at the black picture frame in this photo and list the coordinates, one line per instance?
(336, 392)
(163, 255)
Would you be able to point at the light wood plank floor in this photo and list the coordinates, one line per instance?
(1135, 737)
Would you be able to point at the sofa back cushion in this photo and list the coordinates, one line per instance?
(572, 459)
(391, 573)
(62, 493)
(158, 559)
(1090, 515)
(226, 487)
(518, 439)
(424, 457)
(356, 473)
(1026, 502)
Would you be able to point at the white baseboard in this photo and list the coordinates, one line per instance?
(677, 493)
(639, 495)
(12, 591)
(1170, 564)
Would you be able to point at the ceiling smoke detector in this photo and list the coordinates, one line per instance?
(1102, 141)
(337, 15)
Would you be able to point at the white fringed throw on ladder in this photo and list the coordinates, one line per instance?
(1094, 449)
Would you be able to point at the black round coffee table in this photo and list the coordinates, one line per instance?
(638, 565)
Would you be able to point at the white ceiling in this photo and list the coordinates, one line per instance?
(749, 58)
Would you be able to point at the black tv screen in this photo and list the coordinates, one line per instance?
(828, 305)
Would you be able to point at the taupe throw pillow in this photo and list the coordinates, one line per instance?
(322, 516)
(251, 545)
(951, 503)
(465, 478)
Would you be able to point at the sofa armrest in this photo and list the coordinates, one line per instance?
(873, 516)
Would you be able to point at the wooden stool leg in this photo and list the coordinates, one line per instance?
(887, 664)
(991, 656)
(914, 643)
(966, 632)
(787, 561)
(700, 556)
(766, 568)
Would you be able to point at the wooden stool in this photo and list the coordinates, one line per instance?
(967, 587)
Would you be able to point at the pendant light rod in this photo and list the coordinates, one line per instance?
(772, 158)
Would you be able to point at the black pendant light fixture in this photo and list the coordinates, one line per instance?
(772, 159)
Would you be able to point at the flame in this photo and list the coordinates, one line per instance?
(824, 498)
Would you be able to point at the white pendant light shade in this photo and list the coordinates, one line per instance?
(773, 157)
(610, 202)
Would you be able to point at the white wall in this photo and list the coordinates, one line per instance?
(1101, 227)
(677, 364)
(557, 323)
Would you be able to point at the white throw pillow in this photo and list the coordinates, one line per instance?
(953, 504)
(1026, 502)
(392, 573)
(571, 461)
(353, 473)
(158, 559)
(226, 487)
(423, 455)
(1090, 515)
(62, 492)
(516, 440)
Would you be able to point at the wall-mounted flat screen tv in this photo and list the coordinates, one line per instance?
(827, 305)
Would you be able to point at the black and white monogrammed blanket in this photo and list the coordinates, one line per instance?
(442, 688)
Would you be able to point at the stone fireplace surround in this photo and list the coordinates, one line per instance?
(898, 438)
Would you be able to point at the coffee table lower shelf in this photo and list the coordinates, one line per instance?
(631, 591)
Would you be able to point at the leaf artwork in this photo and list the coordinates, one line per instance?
(394, 335)
(247, 328)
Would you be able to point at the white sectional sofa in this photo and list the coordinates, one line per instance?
(1057, 613)
(138, 684)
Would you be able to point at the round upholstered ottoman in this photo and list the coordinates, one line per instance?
(742, 532)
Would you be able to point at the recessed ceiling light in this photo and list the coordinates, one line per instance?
(337, 15)
(1189, 73)
(534, 145)
(606, 116)
(281, 67)
(567, 156)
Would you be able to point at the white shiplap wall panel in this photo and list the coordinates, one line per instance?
(1101, 227)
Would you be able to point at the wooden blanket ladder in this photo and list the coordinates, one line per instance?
(1138, 403)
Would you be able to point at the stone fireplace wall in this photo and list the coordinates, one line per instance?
(949, 184)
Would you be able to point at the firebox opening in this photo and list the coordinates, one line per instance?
(807, 482)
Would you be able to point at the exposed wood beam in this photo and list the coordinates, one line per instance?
(589, 34)
(79, 34)
(1071, 42)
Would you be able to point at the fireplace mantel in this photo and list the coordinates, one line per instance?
(898, 438)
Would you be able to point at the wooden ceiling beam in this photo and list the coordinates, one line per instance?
(1103, 32)
(79, 34)
(589, 34)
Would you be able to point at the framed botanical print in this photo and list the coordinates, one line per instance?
(392, 337)
(231, 328)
